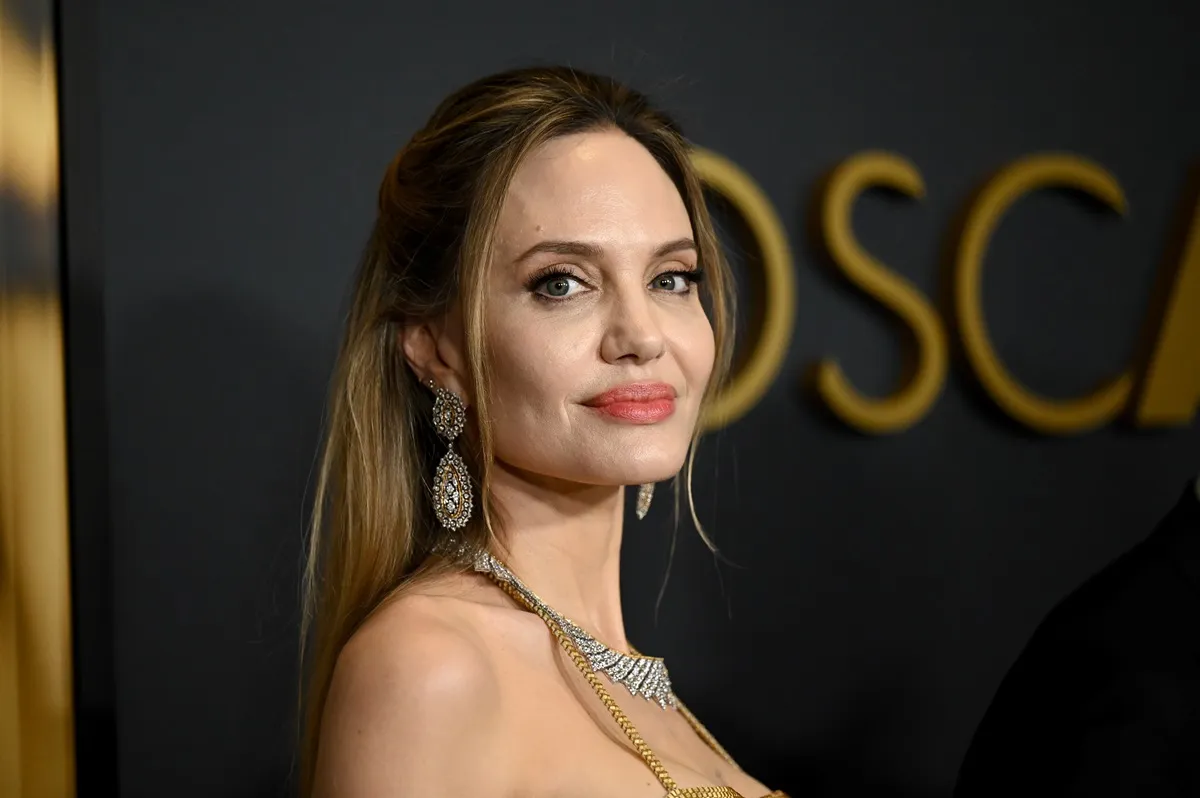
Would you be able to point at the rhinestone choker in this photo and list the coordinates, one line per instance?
(642, 676)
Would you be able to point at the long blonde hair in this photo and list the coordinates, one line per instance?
(373, 525)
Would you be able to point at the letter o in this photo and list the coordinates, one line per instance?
(754, 378)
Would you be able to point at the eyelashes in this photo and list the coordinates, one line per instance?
(691, 278)
(551, 276)
(556, 283)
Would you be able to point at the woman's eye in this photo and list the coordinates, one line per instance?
(673, 282)
(559, 286)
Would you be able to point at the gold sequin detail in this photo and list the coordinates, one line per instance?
(704, 792)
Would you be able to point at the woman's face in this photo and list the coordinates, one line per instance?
(600, 346)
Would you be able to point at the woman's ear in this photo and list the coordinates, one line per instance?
(433, 349)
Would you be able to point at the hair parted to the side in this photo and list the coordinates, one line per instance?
(373, 525)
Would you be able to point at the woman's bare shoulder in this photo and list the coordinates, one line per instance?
(418, 640)
(414, 703)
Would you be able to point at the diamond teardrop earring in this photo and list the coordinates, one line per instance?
(644, 497)
(452, 496)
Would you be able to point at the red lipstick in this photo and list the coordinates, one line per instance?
(636, 403)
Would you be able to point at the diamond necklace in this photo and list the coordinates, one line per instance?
(642, 676)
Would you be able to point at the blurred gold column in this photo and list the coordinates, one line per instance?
(36, 731)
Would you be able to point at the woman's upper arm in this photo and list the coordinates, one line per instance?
(411, 714)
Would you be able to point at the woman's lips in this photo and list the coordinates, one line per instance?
(637, 403)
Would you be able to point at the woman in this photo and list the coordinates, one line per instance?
(527, 338)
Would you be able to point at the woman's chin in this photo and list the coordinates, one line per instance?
(603, 465)
(638, 475)
(659, 471)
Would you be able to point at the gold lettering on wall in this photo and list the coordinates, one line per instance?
(1170, 385)
(914, 399)
(1049, 416)
(1170, 390)
(762, 365)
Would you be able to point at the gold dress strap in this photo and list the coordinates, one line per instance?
(626, 725)
(623, 721)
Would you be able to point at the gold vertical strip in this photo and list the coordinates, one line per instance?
(36, 718)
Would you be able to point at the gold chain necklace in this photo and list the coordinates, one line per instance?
(565, 641)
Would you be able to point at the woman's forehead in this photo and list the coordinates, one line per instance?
(598, 186)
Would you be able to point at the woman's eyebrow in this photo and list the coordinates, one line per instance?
(584, 250)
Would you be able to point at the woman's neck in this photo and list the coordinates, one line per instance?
(564, 542)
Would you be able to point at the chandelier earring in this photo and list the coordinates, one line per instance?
(453, 499)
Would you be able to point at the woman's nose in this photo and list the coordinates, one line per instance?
(633, 333)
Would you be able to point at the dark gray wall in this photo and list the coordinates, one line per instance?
(872, 612)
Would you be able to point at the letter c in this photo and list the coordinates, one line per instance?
(1049, 416)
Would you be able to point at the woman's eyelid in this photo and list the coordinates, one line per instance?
(568, 269)
(541, 275)
(675, 264)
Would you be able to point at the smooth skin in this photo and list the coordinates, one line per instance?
(453, 689)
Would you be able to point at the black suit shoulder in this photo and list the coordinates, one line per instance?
(1109, 680)
(1141, 604)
